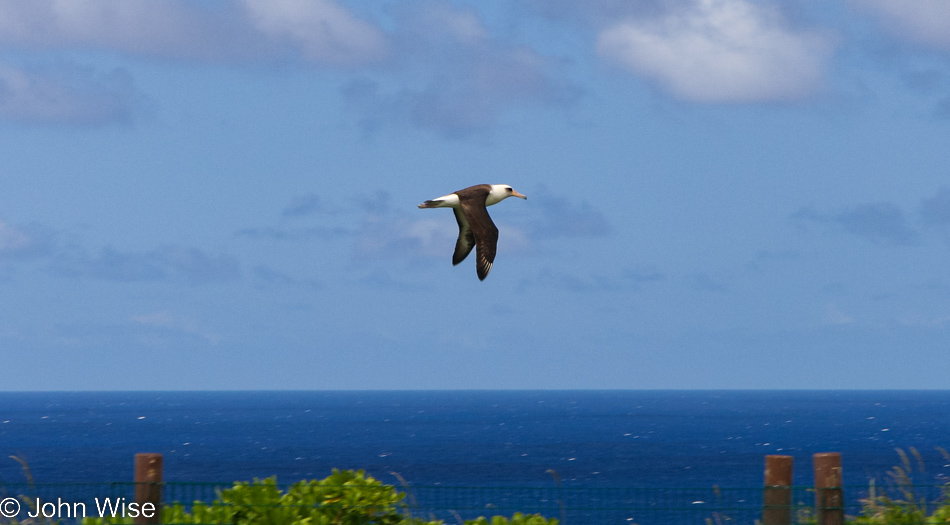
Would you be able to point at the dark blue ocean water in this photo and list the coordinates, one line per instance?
(590, 438)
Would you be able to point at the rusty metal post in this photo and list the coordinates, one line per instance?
(829, 495)
(148, 488)
(777, 499)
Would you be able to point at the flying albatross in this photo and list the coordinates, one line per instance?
(476, 230)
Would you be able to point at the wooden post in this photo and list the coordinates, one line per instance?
(829, 495)
(148, 488)
(777, 499)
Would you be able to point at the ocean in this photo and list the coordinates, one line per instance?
(473, 438)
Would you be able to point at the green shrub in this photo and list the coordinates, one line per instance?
(346, 497)
(517, 519)
(900, 504)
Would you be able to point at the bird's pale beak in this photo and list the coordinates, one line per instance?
(516, 194)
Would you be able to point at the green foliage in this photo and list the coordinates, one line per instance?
(346, 497)
(879, 508)
(900, 504)
(517, 519)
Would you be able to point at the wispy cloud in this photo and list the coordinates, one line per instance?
(324, 31)
(46, 248)
(917, 320)
(878, 222)
(707, 283)
(935, 211)
(719, 51)
(835, 316)
(881, 222)
(24, 242)
(925, 22)
(469, 78)
(378, 230)
(266, 276)
(559, 217)
(641, 275)
(319, 31)
(297, 212)
(180, 264)
(384, 279)
(436, 66)
(304, 205)
(67, 94)
(375, 229)
(396, 235)
(625, 280)
(768, 258)
(287, 233)
(168, 321)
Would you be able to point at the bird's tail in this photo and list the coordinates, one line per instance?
(430, 204)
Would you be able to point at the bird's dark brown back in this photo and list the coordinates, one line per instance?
(472, 202)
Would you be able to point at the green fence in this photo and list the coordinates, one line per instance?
(454, 504)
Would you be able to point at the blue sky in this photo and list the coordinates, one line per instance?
(721, 194)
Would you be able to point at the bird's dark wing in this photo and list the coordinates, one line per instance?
(466, 241)
(484, 230)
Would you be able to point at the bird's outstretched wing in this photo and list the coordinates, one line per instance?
(485, 233)
(466, 241)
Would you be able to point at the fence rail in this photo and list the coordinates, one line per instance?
(777, 502)
(571, 505)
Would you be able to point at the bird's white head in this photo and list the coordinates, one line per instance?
(500, 192)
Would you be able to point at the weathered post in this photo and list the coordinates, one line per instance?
(148, 488)
(829, 495)
(777, 499)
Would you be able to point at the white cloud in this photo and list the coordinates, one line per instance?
(444, 69)
(935, 211)
(12, 239)
(879, 222)
(168, 321)
(834, 315)
(138, 26)
(923, 21)
(326, 32)
(66, 94)
(23, 242)
(166, 264)
(394, 236)
(436, 19)
(923, 321)
(454, 77)
(719, 51)
(321, 31)
(560, 217)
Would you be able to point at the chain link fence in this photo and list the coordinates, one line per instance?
(65, 502)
